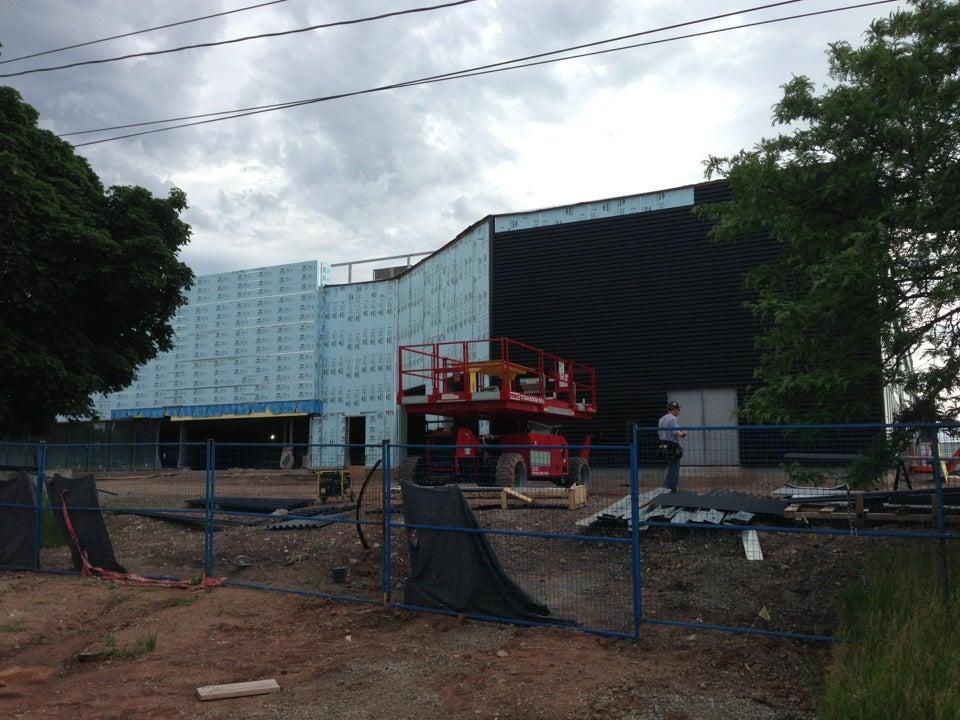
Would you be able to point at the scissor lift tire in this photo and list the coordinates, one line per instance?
(511, 470)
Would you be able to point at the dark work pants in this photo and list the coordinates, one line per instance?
(673, 467)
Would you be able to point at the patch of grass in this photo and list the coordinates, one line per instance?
(50, 535)
(185, 601)
(141, 646)
(115, 600)
(37, 639)
(898, 649)
(14, 626)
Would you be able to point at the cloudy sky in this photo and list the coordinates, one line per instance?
(406, 170)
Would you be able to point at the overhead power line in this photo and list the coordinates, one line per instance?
(141, 32)
(468, 72)
(245, 38)
(420, 81)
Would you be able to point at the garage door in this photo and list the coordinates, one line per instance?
(703, 407)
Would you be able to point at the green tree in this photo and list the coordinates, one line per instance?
(861, 189)
(88, 281)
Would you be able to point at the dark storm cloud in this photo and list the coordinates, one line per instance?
(407, 169)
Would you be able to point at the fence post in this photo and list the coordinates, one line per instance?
(941, 521)
(209, 504)
(635, 533)
(38, 508)
(387, 562)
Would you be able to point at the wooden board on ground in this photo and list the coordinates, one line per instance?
(571, 498)
(234, 690)
(508, 493)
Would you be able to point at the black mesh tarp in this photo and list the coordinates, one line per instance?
(17, 524)
(84, 509)
(458, 571)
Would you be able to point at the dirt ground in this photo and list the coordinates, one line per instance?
(343, 660)
(696, 576)
(349, 660)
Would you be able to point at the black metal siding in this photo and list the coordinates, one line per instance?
(647, 299)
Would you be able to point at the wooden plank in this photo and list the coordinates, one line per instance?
(233, 690)
(518, 495)
(792, 508)
(870, 516)
(573, 497)
(579, 496)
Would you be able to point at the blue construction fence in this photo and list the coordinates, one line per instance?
(747, 529)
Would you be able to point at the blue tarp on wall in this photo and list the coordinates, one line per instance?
(278, 407)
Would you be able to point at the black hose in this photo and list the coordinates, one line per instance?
(363, 540)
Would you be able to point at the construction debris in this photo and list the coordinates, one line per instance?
(828, 504)
(571, 498)
(619, 514)
(264, 505)
(825, 503)
(233, 690)
(726, 500)
(795, 492)
(93, 655)
(659, 505)
(305, 523)
(751, 545)
(196, 520)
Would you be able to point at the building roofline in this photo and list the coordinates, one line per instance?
(494, 216)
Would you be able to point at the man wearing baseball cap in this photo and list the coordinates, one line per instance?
(670, 435)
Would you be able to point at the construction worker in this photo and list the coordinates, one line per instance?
(670, 435)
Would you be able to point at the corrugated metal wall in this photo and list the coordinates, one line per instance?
(646, 298)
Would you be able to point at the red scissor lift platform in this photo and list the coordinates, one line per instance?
(520, 389)
(494, 378)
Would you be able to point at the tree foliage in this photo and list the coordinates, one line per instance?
(89, 278)
(861, 189)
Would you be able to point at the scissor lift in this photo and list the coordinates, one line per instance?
(518, 388)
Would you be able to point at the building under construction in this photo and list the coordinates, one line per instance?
(632, 286)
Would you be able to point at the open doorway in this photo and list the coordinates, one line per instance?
(356, 438)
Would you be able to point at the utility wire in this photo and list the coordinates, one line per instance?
(245, 38)
(140, 32)
(420, 81)
(474, 72)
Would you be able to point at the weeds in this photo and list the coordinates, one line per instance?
(898, 654)
(185, 601)
(50, 534)
(141, 646)
(14, 626)
(114, 600)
